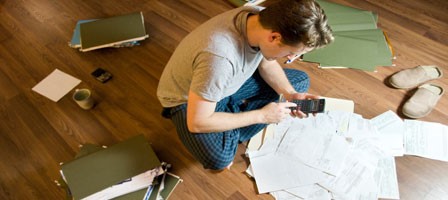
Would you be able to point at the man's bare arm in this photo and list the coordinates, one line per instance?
(202, 118)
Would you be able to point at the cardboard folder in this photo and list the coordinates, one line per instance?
(113, 31)
(88, 174)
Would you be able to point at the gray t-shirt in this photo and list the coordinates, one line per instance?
(213, 61)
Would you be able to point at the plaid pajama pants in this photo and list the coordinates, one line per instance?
(217, 150)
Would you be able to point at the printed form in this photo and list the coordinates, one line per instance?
(391, 130)
(426, 139)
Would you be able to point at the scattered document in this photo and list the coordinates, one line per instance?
(342, 120)
(340, 155)
(360, 127)
(389, 181)
(308, 192)
(333, 155)
(357, 180)
(391, 129)
(56, 85)
(437, 194)
(276, 172)
(426, 139)
(316, 145)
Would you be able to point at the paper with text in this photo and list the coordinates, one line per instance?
(275, 172)
(426, 139)
(390, 132)
(313, 141)
(389, 181)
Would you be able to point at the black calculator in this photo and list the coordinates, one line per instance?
(309, 105)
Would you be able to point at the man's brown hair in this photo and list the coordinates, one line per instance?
(298, 21)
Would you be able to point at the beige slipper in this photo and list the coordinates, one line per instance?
(423, 101)
(413, 77)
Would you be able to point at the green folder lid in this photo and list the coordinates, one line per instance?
(112, 31)
(96, 171)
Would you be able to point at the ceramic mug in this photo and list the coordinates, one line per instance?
(83, 97)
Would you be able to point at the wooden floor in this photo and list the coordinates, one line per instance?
(37, 134)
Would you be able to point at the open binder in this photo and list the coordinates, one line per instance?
(96, 169)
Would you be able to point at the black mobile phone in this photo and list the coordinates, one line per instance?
(102, 75)
(309, 106)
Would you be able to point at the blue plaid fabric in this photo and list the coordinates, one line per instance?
(217, 150)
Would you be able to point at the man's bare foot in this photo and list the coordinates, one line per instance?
(228, 166)
(223, 169)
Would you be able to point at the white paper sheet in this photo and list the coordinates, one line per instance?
(352, 181)
(426, 139)
(309, 192)
(437, 194)
(282, 195)
(275, 172)
(390, 132)
(389, 181)
(303, 191)
(360, 128)
(342, 120)
(359, 178)
(56, 85)
(315, 144)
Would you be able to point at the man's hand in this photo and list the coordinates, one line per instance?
(276, 112)
(300, 96)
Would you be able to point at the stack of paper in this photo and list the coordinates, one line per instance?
(359, 43)
(341, 155)
(124, 171)
(118, 31)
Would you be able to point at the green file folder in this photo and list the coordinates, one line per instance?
(112, 31)
(96, 171)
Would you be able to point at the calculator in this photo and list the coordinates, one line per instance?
(309, 105)
(306, 106)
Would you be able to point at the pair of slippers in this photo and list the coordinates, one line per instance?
(427, 95)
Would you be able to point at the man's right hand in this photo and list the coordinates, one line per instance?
(276, 112)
